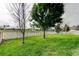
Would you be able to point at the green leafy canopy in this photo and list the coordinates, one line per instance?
(47, 14)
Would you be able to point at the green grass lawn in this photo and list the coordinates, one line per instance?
(53, 45)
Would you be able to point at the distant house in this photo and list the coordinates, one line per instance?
(75, 27)
(51, 29)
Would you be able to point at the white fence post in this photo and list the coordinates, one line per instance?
(1, 37)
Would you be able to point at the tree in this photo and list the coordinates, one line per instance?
(58, 28)
(19, 12)
(66, 28)
(47, 14)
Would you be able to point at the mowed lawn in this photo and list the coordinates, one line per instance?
(53, 45)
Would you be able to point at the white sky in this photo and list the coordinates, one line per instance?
(4, 15)
(71, 15)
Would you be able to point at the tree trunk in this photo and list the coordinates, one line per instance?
(23, 37)
(44, 36)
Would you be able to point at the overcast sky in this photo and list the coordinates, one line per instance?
(71, 15)
(6, 18)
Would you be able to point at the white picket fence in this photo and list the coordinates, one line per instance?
(11, 34)
(1, 37)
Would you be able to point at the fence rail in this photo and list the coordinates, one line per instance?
(16, 34)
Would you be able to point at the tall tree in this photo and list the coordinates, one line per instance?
(66, 28)
(47, 14)
(19, 12)
(57, 28)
